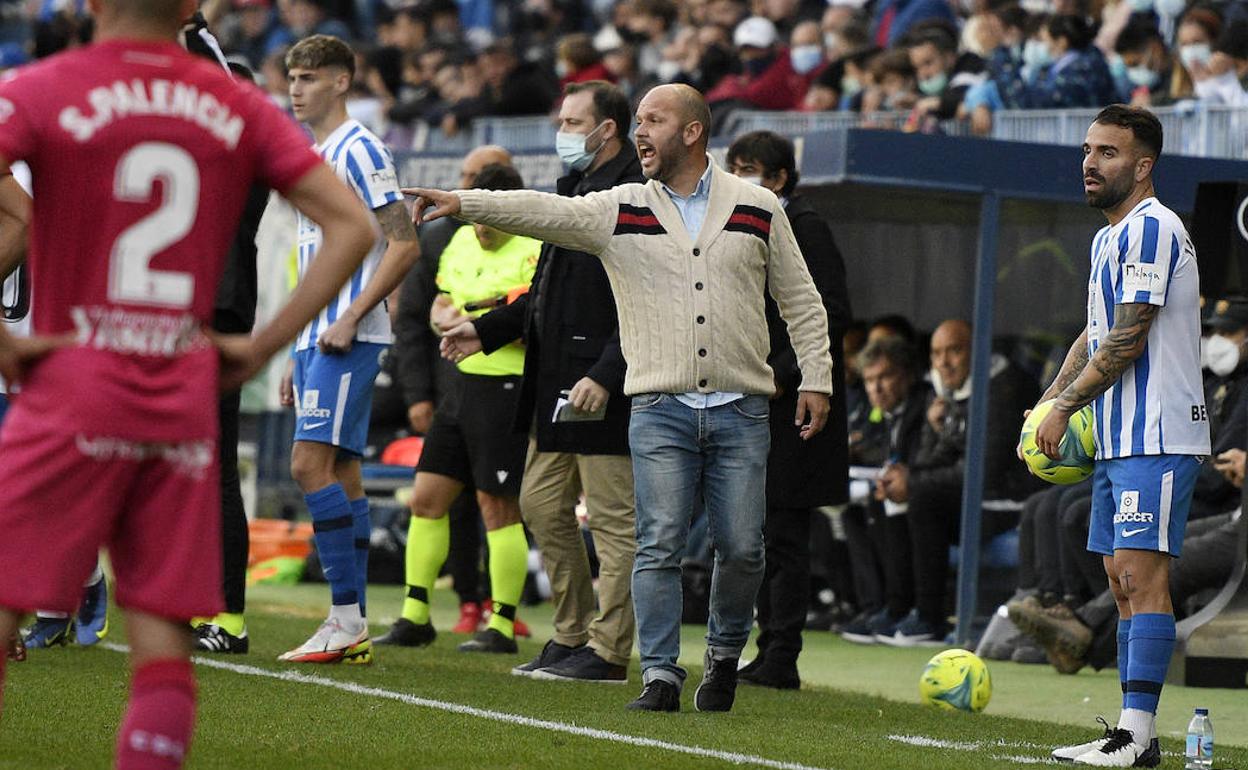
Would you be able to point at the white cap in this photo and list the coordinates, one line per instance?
(756, 32)
(607, 39)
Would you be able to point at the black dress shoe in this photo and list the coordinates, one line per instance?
(405, 633)
(719, 684)
(657, 695)
(775, 675)
(490, 640)
(752, 666)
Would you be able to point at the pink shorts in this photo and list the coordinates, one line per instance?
(156, 507)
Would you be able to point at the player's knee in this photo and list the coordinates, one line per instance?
(423, 507)
(498, 512)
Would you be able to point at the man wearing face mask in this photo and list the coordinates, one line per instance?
(781, 82)
(568, 320)
(943, 76)
(1222, 354)
(801, 475)
(1145, 58)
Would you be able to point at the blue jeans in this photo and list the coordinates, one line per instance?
(679, 454)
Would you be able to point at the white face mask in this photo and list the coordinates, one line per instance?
(1195, 53)
(758, 180)
(1219, 355)
(667, 70)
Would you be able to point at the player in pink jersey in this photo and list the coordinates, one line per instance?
(142, 155)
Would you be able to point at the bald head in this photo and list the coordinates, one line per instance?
(688, 104)
(951, 353)
(487, 155)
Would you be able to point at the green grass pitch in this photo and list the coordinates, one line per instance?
(437, 708)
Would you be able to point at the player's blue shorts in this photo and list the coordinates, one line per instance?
(1141, 503)
(334, 395)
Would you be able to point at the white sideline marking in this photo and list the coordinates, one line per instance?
(924, 741)
(496, 716)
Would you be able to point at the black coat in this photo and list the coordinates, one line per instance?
(422, 372)
(569, 323)
(807, 474)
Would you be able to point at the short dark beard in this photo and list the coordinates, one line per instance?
(1110, 195)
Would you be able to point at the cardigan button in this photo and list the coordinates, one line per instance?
(701, 383)
(701, 319)
(702, 352)
(698, 286)
(697, 252)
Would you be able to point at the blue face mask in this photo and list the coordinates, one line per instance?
(571, 149)
(805, 58)
(1036, 54)
(1142, 76)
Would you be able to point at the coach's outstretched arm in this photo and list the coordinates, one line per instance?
(584, 224)
(1124, 344)
(348, 235)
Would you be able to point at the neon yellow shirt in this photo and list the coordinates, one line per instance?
(469, 273)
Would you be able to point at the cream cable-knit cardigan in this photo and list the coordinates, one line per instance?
(691, 313)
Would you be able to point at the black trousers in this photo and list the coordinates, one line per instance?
(880, 544)
(935, 516)
(785, 592)
(234, 538)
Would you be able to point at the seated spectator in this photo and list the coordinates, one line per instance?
(1195, 37)
(785, 81)
(254, 32)
(510, 87)
(755, 42)
(576, 61)
(651, 25)
(894, 18)
(699, 56)
(943, 75)
(1220, 80)
(310, 17)
(892, 83)
(1147, 62)
(930, 484)
(877, 528)
(1061, 68)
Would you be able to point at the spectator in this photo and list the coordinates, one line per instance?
(943, 75)
(254, 32)
(577, 61)
(309, 17)
(894, 18)
(892, 83)
(652, 27)
(1219, 80)
(788, 76)
(755, 42)
(1198, 31)
(1147, 62)
(877, 529)
(931, 485)
(801, 475)
(511, 87)
(410, 30)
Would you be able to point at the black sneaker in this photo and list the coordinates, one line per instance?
(778, 676)
(210, 637)
(490, 640)
(753, 665)
(719, 684)
(551, 654)
(657, 695)
(585, 666)
(405, 633)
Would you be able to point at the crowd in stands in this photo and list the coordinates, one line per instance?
(440, 64)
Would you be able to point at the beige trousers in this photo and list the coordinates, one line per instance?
(548, 495)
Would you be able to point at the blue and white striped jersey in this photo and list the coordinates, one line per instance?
(363, 162)
(1158, 405)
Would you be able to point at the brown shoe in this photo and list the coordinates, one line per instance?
(1059, 631)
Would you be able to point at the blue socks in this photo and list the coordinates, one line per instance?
(1151, 642)
(1124, 655)
(362, 527)
(333, 525)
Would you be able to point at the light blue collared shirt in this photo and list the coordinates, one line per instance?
(692, 210)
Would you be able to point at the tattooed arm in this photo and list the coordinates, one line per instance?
(1121, 348)
(1072, 367)
(402, 251)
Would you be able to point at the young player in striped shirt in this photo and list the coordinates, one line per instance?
(1138, 364)
(337, 356)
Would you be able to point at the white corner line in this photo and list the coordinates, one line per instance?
(495, 716)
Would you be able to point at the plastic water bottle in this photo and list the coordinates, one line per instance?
(1199, 753)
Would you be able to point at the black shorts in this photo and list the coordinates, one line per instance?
(471, 439)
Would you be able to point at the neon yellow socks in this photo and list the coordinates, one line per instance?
(428, 541)
(509, 565)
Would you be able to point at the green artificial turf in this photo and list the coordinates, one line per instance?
(62, 707)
